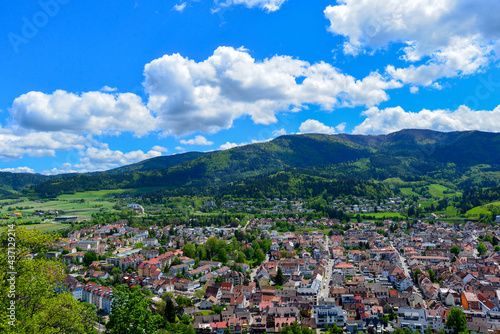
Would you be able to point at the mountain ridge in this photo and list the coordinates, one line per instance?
(409, 154)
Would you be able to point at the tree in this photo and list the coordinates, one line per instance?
(222, 256)
(429, 330)
(260, 256)
(240, 258)
(189, 250)
(457, 321)
(212, 245)
(89, 257)
(170, 310)
(40, 306)
(279, 279)
(130, 314)
(455, 250)
(481, 249)
(432, 275)
(199, 293)
(416, 273)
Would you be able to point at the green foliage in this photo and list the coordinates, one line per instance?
(481, 249)
(457, 321)
(432, 275)
(189, 250)
(314, 164)
(130, 314)
(38, 308)
(89, 257)
(416, 273)
(259, 256)
(455, 250)
(279, 279)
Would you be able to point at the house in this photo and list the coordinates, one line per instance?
(329, 314)
(346, 268)
(208, 303)
(402, 282)
(186, 285)
(470, 301)
(234, 277)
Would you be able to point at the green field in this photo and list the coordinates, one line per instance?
(82, 205)
(408, 192)
(475, 212)
(44, 227)
(440, 191)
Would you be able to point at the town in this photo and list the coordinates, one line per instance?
(265, 274)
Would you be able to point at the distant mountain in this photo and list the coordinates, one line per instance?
(407, 154)
(156, 163)
(10, 183)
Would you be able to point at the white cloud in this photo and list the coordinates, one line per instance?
(393, 119)
(451, 37)
(180, 7)
(267, 5)
(414, 90)
(91, 112)
(180, 148)
(160, 148)
(14, 143)
(280, 132)
(314, 126)
(198, 140)
(108, 89)
(207, 96)
(341, 127)
(103, 158)
(18, 170)
(228, 145)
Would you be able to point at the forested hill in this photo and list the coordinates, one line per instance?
(155, 163)
(459, 157)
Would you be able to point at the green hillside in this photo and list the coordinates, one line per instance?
(410, 155)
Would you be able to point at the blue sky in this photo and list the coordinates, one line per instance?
(94, 85)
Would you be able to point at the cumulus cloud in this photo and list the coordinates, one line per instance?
(451, 37)
(14, 144)
(393, 119)
(108, 89)
(91, 112)
(180, 7)
(180, 148)
(228, 145)
(314, 126)
(280, 132)
(102, 158)
(267, 5)
(160, 148)
(18, 170)
(207, 96)
(341, 127)
(198, 140)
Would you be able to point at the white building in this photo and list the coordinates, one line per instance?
(329, 314)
